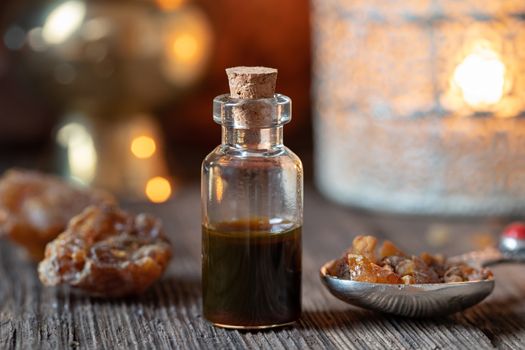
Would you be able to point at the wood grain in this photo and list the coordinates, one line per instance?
(169, 315)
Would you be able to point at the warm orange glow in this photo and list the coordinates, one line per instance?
(219, 188)
(158, 189)
(169, 5)
(143, 147)
(185, 47)
(481, 77)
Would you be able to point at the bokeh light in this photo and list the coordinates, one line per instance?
(143, 147)
(35, 40)
(158, 189)
(169, 5)
(81, 152)
(63, 21)
(481, 78)
(187, 46)
(14, 38)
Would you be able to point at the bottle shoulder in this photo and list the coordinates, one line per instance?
(290, 154)
(223, 156)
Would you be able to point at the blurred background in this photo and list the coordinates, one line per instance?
(408, 106)
(119, 93)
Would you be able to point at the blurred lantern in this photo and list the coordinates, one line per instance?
(124, 155)
(119, 54)
(106, 62)
(420, 105)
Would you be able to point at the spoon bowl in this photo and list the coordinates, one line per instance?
(435, 299)
(411, 300)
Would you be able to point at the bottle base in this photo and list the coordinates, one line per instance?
(258, 327)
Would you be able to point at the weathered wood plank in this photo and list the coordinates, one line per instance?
(169, 315)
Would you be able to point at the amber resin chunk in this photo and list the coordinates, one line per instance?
(107, 252)
(362, 269)
(396, 267)
(35, 208)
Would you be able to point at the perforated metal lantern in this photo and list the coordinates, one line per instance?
(420, 104)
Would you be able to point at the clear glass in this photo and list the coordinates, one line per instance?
(252, 205)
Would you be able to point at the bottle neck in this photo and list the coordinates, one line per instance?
(253, 139)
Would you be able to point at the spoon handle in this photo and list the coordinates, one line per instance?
(511, 249)
(481, 258)
(512, 243)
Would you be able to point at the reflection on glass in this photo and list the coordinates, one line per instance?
(81, 153)
(219, 188)
(169, 5)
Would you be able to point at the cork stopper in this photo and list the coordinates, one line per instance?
(252, 82)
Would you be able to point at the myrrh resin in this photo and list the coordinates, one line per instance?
(251, 273)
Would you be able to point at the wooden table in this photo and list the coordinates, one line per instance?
(169, 315)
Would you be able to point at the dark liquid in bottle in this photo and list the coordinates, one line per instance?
(251, 274)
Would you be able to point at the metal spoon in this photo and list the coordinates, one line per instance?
(424, 300)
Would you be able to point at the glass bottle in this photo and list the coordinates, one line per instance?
(252, 204)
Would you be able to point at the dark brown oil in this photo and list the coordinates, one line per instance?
(251, 274)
